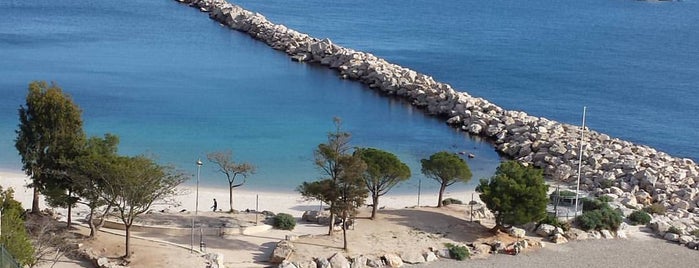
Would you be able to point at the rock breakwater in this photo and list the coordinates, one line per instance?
(636, 174)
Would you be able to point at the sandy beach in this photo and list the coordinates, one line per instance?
(397, 229)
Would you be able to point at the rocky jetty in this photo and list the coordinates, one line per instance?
(642, 175)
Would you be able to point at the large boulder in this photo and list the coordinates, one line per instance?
(606, 234)
(517, 232)
(393, 260)
(339, 261)
(412, 257)
(430, 257)
(282, 252)
(546, 230)
(313, 215)
(558, 239)
(359, 262)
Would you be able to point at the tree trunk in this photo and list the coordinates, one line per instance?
(375, 199)
(230, 197)
(104, 216)
(91, 223)
(344, 232)
(128, 238)
(35, 200)
(441, 192)
(332, 220)
(70, 209)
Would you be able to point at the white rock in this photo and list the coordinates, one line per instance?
(430, 257)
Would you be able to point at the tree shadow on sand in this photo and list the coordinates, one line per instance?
(438, 223)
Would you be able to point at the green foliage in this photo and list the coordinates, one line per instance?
(590, 204)
(449, 201)
(458, 252)
(604, 218)
(516, 194)
(606, 184)
(343, 186)
(605, 199)
(674, 230)
(136, 183)
(552, 220)
(14, 234)
(284, 221)
(50, 135)
(655, 208)
(639, 217)
(564, 193)
(384, 170)
(447, 169)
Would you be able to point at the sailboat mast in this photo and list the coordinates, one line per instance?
(582, 137)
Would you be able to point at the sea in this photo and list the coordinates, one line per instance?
(175, 85)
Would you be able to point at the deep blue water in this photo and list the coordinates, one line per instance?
(172, 83)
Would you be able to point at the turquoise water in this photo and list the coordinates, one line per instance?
(172, 83)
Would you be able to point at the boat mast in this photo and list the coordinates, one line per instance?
(582, 136)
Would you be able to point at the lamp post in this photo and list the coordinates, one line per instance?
(196, 212)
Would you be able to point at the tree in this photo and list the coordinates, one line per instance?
(50, 133)
(327, 159)
(226, 165)
(91, 171)
(447, 169)
(384, 170)
(351, 191)
(136, 183)
(13, 234)
(346, 193)
(516, 194)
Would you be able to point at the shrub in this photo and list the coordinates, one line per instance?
(552, 220)
(605, 199)
(605, 218)
(655, 208)
(674, 230)
(284, 221)
(606, 184)
(593, 204)
(458, 252)
(450, 201)
(639, 217)
(564, 193)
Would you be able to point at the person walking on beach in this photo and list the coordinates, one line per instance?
(215, 205)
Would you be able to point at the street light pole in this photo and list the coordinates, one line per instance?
(196, 204)
(196, 210)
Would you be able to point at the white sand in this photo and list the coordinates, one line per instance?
(278, 202)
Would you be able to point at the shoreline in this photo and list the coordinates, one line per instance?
(276, 201)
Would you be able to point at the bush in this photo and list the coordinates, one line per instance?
(552, 220)
(639, 217)
(450, 201)
(593, 204)
(605, 199)
(655, 208)
(564, 193)
(458, 252)
(605, 218)
(674, 230)
(606, 184)
(284, 221)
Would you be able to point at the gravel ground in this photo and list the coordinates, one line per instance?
(635, 252)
